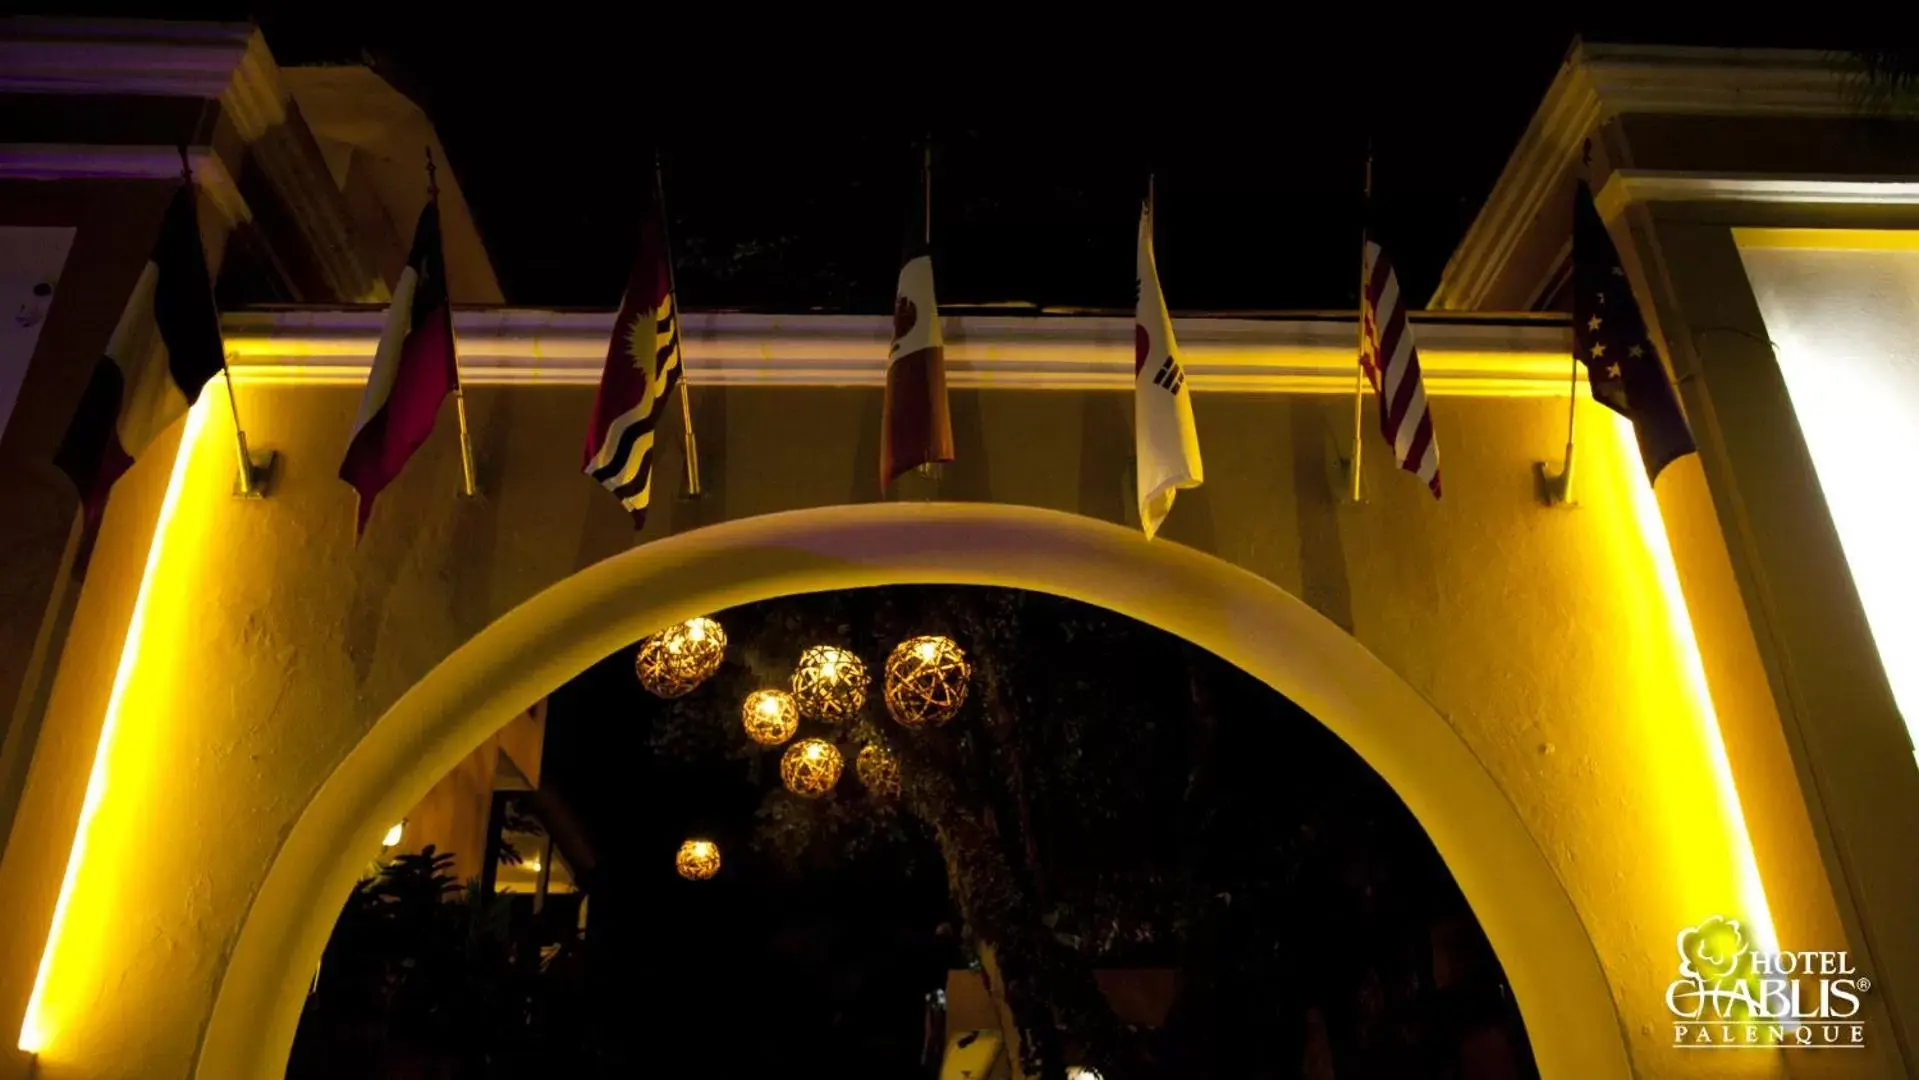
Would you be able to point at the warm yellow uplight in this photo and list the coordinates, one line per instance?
(1651, 526)
(1838, 306)
(36, 1028)
(393, 835)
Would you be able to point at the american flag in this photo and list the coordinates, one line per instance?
(1610, 338)
(1392, 365)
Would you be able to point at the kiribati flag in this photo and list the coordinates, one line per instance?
(642, 366)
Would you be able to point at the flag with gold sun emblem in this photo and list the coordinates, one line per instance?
(642, 366)
(1623, 368)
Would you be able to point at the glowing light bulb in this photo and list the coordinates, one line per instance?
(393, 835)
(830, 669)
(696, 630)
(770, 705)
(927, 651)
(533, 865)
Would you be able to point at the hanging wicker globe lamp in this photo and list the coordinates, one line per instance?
(878, 770)
(675, 661)
(810, 768)
(769, 716)
(697, 860)
(830, 684)
(926, 680)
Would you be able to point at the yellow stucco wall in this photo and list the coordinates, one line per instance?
(272, 643)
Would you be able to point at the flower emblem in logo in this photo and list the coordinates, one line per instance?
(1713, 951)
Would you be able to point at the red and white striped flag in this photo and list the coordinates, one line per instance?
(1391, 363)
(414, 370)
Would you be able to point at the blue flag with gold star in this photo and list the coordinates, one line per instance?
(1609, 337)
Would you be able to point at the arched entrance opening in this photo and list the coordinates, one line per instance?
(1248, 622)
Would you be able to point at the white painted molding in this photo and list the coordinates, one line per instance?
(69, 161)
(1505, 357)
(1628, 186)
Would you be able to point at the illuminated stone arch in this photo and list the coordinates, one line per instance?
(1570, 1016)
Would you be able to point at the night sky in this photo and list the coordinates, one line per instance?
(789, 148)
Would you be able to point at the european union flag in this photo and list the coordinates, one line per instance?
(1609, 337)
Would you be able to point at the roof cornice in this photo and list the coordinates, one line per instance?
(1598, 82)
(1505, 357)
(227, 65)
(120, 56)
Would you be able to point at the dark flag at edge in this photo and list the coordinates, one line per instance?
(164, 349)
(1609, 337)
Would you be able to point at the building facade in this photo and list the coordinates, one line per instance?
(1617, 719)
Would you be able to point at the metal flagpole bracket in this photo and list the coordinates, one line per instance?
(256, 470)
(1554, 487)
(262, 471)
(1339, 472)
(918, 484)
(700, 481)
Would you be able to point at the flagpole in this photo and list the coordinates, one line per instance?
(1558, 490)
(468, 486)
(1359, 372)
(245, 486)
(927, 468)
(687, 436)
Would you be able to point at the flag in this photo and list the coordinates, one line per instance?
(1165, 443)
(1609, 337)
(414, 370)
(163, 350)
(915, 426)
(1391, 364)
(642, 365)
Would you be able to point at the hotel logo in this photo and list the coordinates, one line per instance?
(1729, 996)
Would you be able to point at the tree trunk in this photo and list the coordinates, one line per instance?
(1009, 1025)
(989, 900)
(1040, 985)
